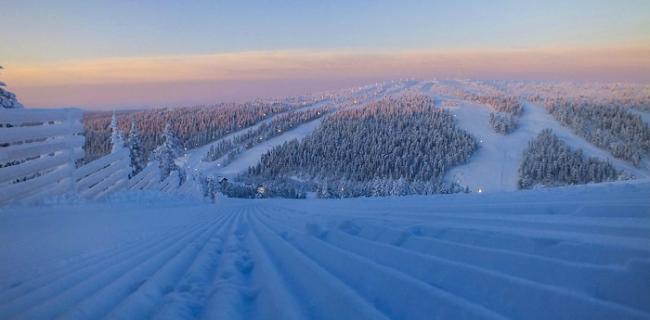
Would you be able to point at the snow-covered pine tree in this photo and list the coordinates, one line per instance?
(405, 137)
(211, 153)
(117, 137)
(167, 152)
(548, 161)
(137, 154)
(182, 175)
(610, 127)
(8, 99)
(323, 191)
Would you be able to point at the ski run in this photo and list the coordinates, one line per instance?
(579, 252)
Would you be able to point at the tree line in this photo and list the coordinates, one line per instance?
(403, 141)
(194, 126)
(277, 126)
(612, 128)
(548, 161)
(507, 108)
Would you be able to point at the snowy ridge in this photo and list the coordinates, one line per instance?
(563, 253)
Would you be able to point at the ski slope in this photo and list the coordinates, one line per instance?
(566, 253)
(252, 156)
(494, 166)
(193, 160)
(492, 169)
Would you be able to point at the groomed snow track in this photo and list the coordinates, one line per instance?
(568, 253)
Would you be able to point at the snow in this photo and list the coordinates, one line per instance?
(192, 160)
(45, 152)
(252, 156)
(494, 167)
(576, 252)
(563, 253)
(644, 115)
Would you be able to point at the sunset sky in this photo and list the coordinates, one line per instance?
(113, 54)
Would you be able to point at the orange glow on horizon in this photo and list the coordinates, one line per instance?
(225, 76)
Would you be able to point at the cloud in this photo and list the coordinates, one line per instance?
(251, 74)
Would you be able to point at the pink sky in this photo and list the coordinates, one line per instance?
(187, 80)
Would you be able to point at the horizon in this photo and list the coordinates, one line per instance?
(138, 55)
(136, 108)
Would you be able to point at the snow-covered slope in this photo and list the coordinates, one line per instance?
(566, 253)
(252, 156)
(193, 160)
(494, 167)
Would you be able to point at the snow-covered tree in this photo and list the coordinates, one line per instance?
(624, 134)
(395, 146)
(277, 126)
(167, 152)
(117, 137)
(137, 154)
(506, 105)
(324, 191)
(548, 161)
(503, 122)
(194, 126)
(8, 99)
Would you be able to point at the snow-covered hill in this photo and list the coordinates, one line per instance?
(493, 168)
(194, 160)
(565, 253)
